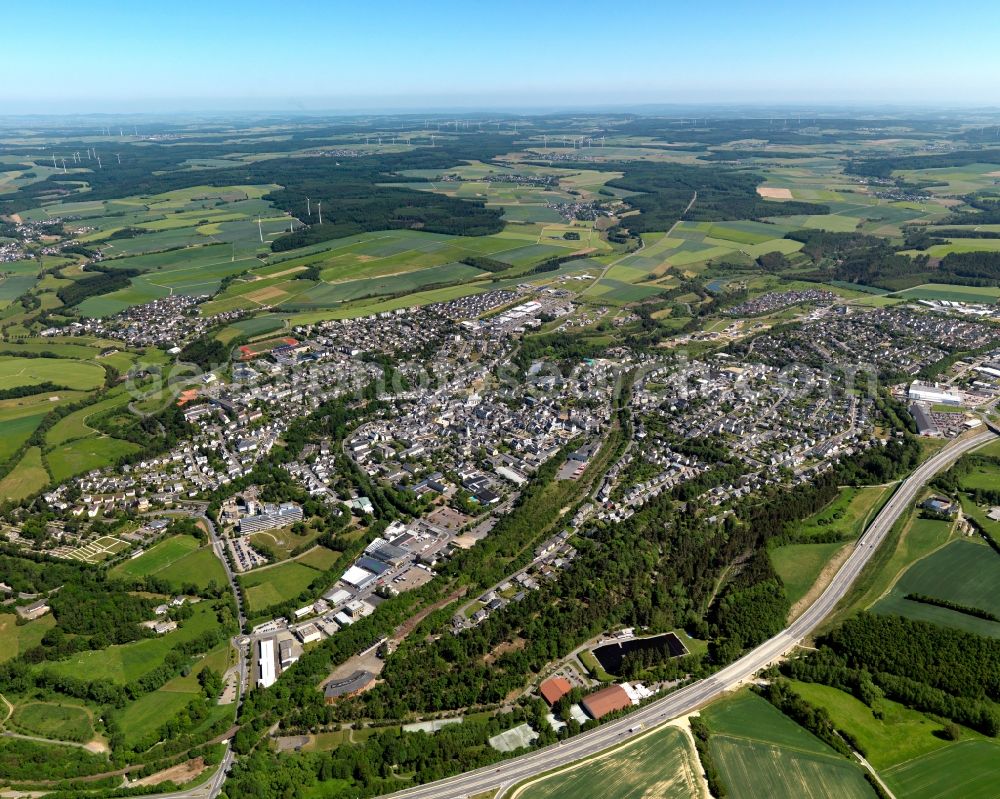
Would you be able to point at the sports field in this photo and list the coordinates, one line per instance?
(270, 586)
(760, 752)
(662, 764)
(181, 560)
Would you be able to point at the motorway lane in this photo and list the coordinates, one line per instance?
(694, 696)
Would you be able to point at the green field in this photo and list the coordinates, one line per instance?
(319, 558)
(662, 764)
(141, 719)
(964, 572)
(985, 476)
(955, 293)
(127, 662)
(74, 425)
(79, 375)
(276, 584)
(899, 735)
(910, 540)
(28, 477)
(15, 638)
(967, 770)
(181, 560)
(52, 720)
(84, 454)
(800, 564)
(14, 432)
(760, 752)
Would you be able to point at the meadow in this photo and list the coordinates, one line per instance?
(70, 374)
(15, 638)
(662, 764)
(897, 735)
(911, 539)
(127, 662)
(142, 718)
(954, 293)
(27, 477)
(800, 564)
(84, 454)
(389, 262)
(53, 720)
(74, 425)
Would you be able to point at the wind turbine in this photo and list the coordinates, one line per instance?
(64, 165)
(99, 166)
(308, 208)
(119, 158)
(260, 230)
(54, 161)
(319, 208)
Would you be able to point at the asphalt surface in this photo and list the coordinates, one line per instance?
(688, 699)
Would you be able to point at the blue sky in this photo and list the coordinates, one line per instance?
(133, 55)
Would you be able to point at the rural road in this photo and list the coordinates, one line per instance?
(687, 699)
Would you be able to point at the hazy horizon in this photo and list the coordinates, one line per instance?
(395, 57)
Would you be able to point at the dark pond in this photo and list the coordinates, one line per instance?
(610, 656)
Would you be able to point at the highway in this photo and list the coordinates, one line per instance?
(688, 699)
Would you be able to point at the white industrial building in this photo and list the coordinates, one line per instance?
(266, 662)
(922, 392)
(358, 577)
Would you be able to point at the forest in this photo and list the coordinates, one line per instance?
(666, 189)
(934, 669)
(884, 167)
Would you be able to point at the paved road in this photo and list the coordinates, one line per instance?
(695, 695)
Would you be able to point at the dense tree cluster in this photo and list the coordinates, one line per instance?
(664, 191)
(104, 281)
(946, 672)
(701, 733)
(815, 719)
(884, 167)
